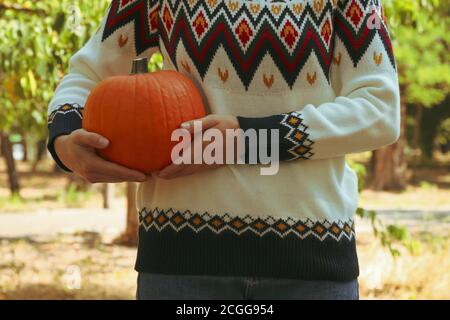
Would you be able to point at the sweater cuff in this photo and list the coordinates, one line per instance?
(294, 139)
(62, 121)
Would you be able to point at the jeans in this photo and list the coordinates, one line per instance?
(187, 287)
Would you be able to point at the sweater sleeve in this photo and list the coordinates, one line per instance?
(365, 115)
(124, 34)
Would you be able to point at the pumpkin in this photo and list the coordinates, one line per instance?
(137, 113)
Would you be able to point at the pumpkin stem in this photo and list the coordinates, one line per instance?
(140, 65)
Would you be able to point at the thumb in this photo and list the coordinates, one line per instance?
(91, 139)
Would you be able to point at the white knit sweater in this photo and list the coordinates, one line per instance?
(321, 71)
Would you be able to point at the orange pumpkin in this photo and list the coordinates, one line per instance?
(137, 113)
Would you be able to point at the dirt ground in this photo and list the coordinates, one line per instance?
(45, 190)
(430, 192)
(86, 265)
(80, 266)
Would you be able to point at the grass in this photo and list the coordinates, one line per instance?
(46, 190)
(420, 275)
(66, 267)
(86, 266)
(421, 197)
(53, 267)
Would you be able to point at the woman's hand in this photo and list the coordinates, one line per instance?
(77, 152)
(220, 122)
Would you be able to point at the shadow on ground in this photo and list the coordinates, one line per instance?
(53, 292)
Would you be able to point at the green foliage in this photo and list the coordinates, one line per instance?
(73, 197)
(360, 170)
(156, 62)
(421, 42)
(392, 236)
(444, 132)
(38, 38)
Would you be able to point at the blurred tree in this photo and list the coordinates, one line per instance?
(108, 190)
(7, 152)
(130, 236)
(421, 41)
(38, 38)
(432, 123)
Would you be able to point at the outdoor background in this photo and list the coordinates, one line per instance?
(61, 238)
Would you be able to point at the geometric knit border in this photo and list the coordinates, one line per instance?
(161, 219)
(297, 136)
(64, 110)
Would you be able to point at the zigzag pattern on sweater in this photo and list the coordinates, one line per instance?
(303, 228)
(357, 23)
(144, 15)
(288, 31)
(248, 32)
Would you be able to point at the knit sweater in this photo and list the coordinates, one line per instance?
(320, 71)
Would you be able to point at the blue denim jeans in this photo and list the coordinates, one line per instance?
(186, 287)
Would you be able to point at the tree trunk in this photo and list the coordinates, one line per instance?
(80, 184)
(431, 120)
(417, 127)
(130, 236)
(108, 195)
(56, 169)
(416, 143)
(40, 153)
(7, 151)
(389, 163)
(24, 144)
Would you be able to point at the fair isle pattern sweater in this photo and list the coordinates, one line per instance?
(320, 71)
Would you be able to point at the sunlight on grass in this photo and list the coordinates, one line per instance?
(39, 270)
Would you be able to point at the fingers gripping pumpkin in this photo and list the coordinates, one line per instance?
(137, 113)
